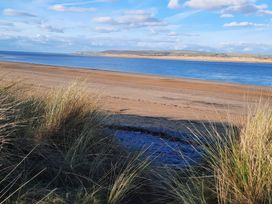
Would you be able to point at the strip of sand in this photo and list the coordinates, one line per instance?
(133, 96)
(207, 58)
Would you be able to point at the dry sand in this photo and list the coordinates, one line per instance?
(147, 100)
(208, 58)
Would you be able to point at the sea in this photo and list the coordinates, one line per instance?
(230, 72)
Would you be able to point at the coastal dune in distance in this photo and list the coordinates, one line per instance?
(182, 55)
(145, 95)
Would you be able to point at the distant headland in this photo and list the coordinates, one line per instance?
(181, 55)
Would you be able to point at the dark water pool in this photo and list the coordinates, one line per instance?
(161, 151)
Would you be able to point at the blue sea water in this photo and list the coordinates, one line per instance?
(233, 72)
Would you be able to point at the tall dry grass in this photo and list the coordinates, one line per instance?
(55, 149)
(236, 164)
(243, 172)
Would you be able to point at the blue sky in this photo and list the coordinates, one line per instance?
(233, 26)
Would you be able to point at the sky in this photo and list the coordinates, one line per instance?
(63, 26)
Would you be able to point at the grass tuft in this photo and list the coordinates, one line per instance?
(55, 148)
(236, 165)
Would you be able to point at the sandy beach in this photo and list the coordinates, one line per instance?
(146, 100)
(207, 58)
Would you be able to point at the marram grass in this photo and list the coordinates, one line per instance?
(236, 166)
(55, 148)
(243, 171)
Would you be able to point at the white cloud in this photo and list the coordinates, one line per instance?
(212, 4)
(103, 19)
(248, 49)
(62, 8)
(229, 7)
(13, 12)
(80, 3)
(136, 20)
(243, 47)
(132, 19)
(138, 12)
(174, 4)
(52, 29)
(106, 29)
(226, 15)
(172, 34)
(245, 24)
(247, 8)
(6, 23)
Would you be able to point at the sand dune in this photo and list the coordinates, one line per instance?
(188, 56)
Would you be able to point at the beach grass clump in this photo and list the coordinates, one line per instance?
(55, 149)
(236, 165)
(243, 171)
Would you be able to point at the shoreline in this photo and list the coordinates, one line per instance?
(142, 74)
(143, 99)
(230, 59)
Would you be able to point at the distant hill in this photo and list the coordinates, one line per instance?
(167, 53)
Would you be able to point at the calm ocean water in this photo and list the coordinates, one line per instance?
(243, 73)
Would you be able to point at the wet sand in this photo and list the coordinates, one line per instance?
(146, 100)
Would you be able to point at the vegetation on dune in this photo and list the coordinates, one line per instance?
(236, 166)
(55, 149)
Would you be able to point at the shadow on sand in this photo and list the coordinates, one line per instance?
(166, 141)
